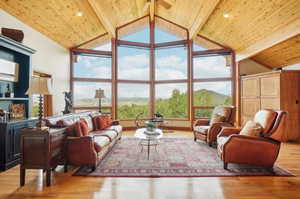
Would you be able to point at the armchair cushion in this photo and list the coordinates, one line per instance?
(201, 129)
(251, 128)
(217, 118)
(223, 111)
(266, 119)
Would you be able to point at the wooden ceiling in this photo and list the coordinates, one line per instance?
(281, 55)
(250, 27)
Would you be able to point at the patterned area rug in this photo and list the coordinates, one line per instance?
(174, 157)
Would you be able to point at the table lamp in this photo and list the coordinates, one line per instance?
(40, 86)
(99, 95)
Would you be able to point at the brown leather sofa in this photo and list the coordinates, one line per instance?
(86, 150)
(260, 150)
(207, 131)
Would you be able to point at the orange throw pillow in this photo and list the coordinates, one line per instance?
(77, 129)
(81, 128)
(84, 128)
(102, 122)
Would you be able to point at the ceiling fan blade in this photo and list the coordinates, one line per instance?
(146, 7)
(166, 3)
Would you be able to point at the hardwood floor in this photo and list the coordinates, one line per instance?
(67, 186)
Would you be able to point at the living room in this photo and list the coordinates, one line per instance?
(113, 98)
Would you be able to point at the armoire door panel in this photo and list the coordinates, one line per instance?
(270, 103)
(250, 106)
(250, 87)
(270, 86)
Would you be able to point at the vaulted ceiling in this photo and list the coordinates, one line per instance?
(259, 28)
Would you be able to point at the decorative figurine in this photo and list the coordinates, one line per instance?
(68, 103)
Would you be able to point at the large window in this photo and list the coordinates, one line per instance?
(172, 100)
(92, 66)
(152, 68)
(171, 63)
(133, 100)
(92, 71)
(212, 83)
(133, 63)
(212, 67)
(84, 94)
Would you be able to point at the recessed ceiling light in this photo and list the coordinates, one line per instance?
(79, 14)
(226, 15)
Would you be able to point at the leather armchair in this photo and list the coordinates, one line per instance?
(260, 150)
(205, 131)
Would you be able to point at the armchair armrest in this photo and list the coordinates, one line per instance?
(227, 131)
(115, 122)
(215, 129)
(202, 122)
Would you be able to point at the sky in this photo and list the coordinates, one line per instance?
(133, 64)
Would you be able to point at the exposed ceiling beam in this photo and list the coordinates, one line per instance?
(202, 17)
(152, 9)
(103, 17)
(282, 34)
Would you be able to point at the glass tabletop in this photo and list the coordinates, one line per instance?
(140, 133)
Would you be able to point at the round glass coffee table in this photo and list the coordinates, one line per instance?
(148, 140)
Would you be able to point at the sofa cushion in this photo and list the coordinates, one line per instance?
(266, 119)
(100, 142)
(117, 128)
(251, 128)
(108, 133)
(201, 129)
(81, 128)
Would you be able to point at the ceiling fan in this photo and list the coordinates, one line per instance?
(167, 4)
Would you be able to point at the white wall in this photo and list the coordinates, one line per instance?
(249, 66)
(50, 57)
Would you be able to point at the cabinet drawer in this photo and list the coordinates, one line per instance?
(270, 103)
(270, 86)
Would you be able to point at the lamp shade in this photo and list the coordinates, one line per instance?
(39, 85)
(99, 94)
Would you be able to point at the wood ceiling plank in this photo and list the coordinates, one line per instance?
(103, 17)
(56, 20)
(281, 55)
(253, 26)
(203, 14)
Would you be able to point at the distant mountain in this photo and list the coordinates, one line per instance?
(206, 97)
(202, 97)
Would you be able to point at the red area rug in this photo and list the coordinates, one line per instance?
(174, 157)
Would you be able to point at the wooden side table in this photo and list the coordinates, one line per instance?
(41, 149)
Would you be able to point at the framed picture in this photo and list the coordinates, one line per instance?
(17, 111)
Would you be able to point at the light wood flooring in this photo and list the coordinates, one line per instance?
(64, 185)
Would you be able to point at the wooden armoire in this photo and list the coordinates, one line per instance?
(278, 90)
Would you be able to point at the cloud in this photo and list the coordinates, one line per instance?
(209, 67)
